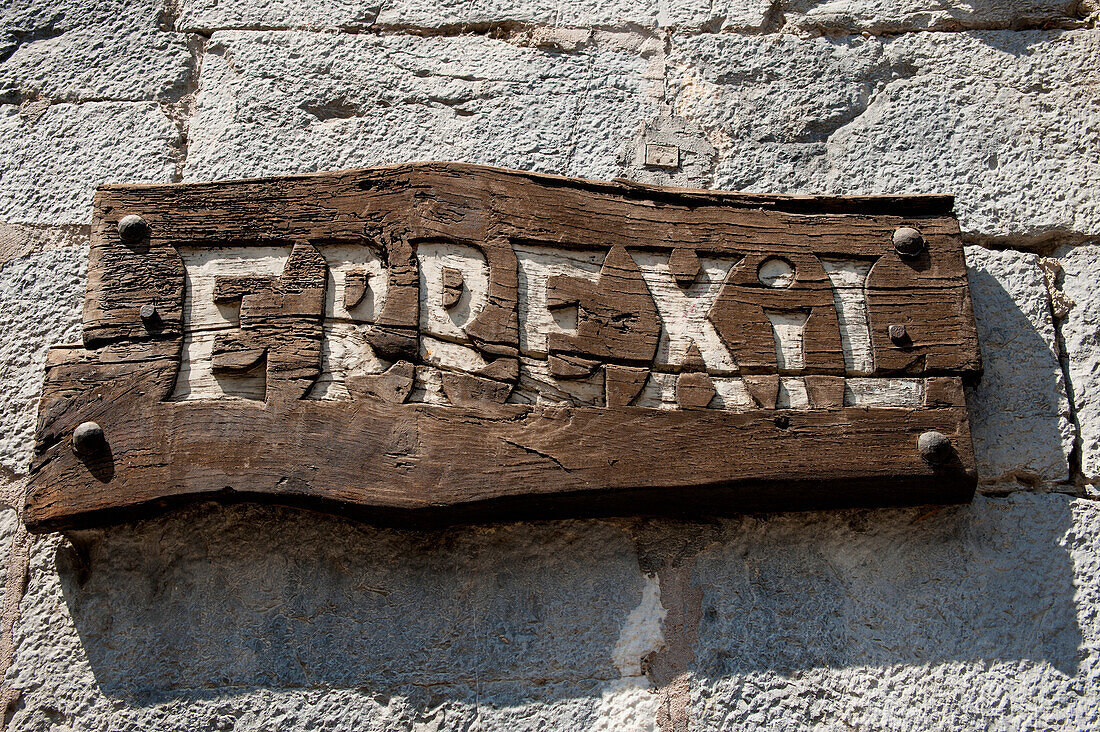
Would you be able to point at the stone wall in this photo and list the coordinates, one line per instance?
(245, 617)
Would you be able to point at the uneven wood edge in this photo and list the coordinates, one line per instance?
(918, 204)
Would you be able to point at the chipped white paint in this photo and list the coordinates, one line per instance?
(450, 355)
(344, 350)
(659, 392)
(684, 312)
(788, 329)
(203, 319)
(849, 279)
(883, 392)
(428, 386)
(792, 394)
(434, 317)
(731, 393)
(537, 265)
(776, 273)
(537, 386)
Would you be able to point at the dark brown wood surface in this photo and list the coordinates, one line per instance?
(383, 457)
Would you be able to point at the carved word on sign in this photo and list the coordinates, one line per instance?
(451, 341)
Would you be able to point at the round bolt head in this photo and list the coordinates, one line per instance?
(935, 447)
(149, 315)
(908, 242)
(899, 335)
(88, 439)
(132, 229)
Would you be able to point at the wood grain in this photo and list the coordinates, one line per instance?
(388, 453)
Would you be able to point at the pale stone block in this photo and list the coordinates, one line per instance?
(41, 297)
(99, 50)
(892, 16)
(342, 101)
(53, 162)
(962, 617)
(921, 113)
(1019, 413)
(1081, 334)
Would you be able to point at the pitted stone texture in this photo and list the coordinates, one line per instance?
(1000, 119)
(53, 162)
(40, 305)
(323, 623)
(212, 15)
(1081, 335)
(342, 101)
(78, 50)
(696, 155)
(9, 527)
(962, 617)
(892, 16)
(1019, 413)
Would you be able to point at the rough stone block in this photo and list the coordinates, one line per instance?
(1019, 413)
(211, 15)
(957, 113)
(952, 618)
(41, 298)
(342, 101)
(53, 160)
(1081, 335)
(891, 16)
(99, 50)
(727, 15)
(323, 623)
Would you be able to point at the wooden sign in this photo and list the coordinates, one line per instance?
(452, 342)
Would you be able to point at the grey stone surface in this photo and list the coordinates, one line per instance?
(343, 101)
(54, 158)
(306, 617)
(953, 618)
(9, 525)
(1081, 333)
(77, 50)
(999, 119)
(250, 618)
(1019, 413)
(210, 15)
(41, 297)
(891, 16)
(696, 157)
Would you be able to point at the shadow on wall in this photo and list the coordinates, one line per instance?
(215, 600)
(1018, 418)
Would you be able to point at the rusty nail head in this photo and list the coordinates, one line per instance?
(935, 447)
(908, 242)
(899, 335)
(132, 229)
(88, 439)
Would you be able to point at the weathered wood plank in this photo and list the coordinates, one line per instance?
(785, 354)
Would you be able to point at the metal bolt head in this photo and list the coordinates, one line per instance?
(132, 229)
(899, 335)
(149, 315)
(908, 242)
(935, 447)
(88, 439)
